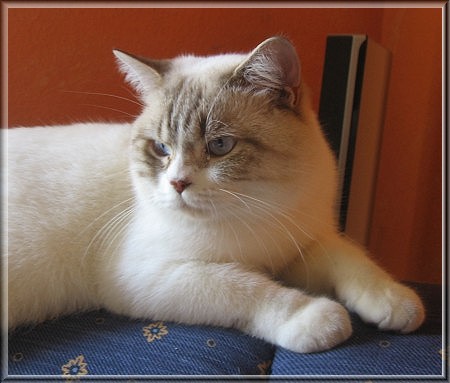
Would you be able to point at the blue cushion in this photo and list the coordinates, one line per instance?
(100, 343)
(370, 352)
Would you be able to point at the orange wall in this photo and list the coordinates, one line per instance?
(406, 231)
(54, 52)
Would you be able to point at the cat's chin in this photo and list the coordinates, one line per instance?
(187, 208)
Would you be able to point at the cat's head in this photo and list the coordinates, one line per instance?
(223, 133)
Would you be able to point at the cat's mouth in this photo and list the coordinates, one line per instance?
(190, 205)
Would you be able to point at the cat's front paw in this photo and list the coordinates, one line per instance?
(321, 325)
(394, 307)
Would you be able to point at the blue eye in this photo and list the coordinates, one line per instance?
(160, 149)
(221, 146)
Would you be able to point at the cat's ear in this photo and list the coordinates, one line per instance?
(273, 65)
(143, 74)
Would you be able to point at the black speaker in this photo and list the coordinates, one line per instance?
(351, 111)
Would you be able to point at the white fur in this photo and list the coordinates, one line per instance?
(84, 232)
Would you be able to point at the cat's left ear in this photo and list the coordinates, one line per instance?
(273, 65)
(143, 74)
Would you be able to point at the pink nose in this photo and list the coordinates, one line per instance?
(180, 185)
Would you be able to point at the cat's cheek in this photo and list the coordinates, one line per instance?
(166, 194)
(163, 186)
(214, 176)
(222, 173)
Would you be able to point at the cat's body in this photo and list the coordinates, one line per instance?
(204, 211)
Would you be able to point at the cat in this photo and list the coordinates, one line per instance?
(216, 206)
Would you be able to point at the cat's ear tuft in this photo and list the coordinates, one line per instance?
(143, 74)
(273, 64)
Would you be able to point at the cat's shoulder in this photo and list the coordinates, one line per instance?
(75, 128)
(67, 133)
(87, 143)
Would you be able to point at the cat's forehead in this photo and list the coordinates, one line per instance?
(204, 69)
(195, 103)
(193, 91)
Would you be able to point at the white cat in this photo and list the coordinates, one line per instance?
(216, 206)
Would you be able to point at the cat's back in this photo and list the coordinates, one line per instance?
(59, 183)
(60, 157)
(52, 170)
(59, 144)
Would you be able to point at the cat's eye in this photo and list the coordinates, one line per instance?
(221, 146)
(160, 149)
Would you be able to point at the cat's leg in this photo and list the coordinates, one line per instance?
(361, 285)
(230, 295)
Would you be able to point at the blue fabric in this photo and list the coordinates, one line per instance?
(370, 352)
(99, 344)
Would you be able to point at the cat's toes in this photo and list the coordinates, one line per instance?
(405, 311)
(398, 309)
(319, 326)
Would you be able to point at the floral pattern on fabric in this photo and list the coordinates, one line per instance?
(155, 331)
(75, 367)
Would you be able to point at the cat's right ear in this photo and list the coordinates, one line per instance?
(273, 65)
(143, 74)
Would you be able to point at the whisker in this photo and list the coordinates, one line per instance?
(216, 213)
(218, 219)
(292, 239)
(103, 214)
(278, 207)
(116, 231)
(260, 217)
(236, 237)
(292, 221)
(264, 215)
(114, 223)
(105, 94)
(130, 92)
(235, 195)
(105, 227)
(113, 109)
(265, 207)
(115, 174)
